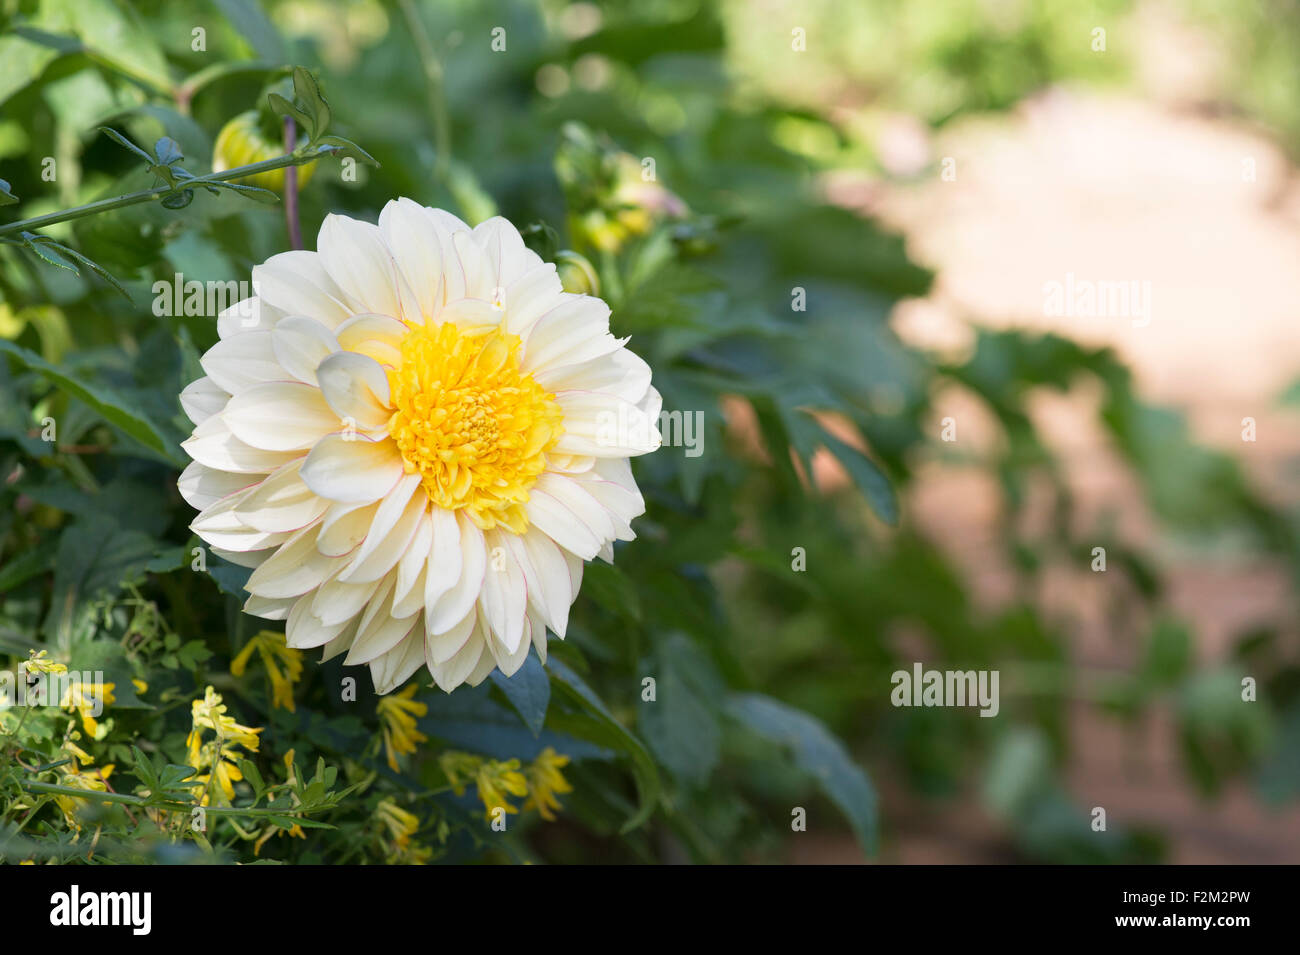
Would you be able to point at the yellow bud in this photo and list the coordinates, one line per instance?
(241, 142)
(576, 273)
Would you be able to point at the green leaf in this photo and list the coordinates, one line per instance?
(345, 147)
(818, 753)
(529, 692)
(247, 17)
(256, 193)
(308, 92)
(681, 725)
(599, 726)
(178, 200)
(282, 107)
(111, 407)
(7, 198)
(866, 474)
(168, 151)
(126, 144)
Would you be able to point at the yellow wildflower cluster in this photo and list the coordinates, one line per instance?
(86, 702)
(217, 755)
(400, 826)
(397, 715)
(283, 665)
(41, 663)
(73, 776)
(498, 780)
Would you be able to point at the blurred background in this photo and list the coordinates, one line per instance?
(854, 213)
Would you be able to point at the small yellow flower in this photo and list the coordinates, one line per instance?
(219, 755)
(141, 687)
(88, 781)
(397, 715)
(210, 713)
(544, 781)
(39, 663)
(82, 698)
(225, 773)
(401, 825)
(495, 779)
(271, 647)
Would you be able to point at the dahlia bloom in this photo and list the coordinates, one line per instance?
(416, 438)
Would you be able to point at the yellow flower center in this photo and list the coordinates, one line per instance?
(470, 422)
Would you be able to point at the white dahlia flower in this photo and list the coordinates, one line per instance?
(416, 438)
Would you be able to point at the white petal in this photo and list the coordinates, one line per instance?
(301, 344)
(416, 244)
(562, 525)
(203, 398)
(356, 387)
(620, 373)
(356, 257)
(377, 336)
(280, 416)
(296, 283)
(296, 568)
(202, 486)
(282, 502)
(379, 631)
(456, 602)
(441, 647)
(603, 426)
(336, 602)
(357, 470)
(411, 567)
(531, 296)
(575, 330)
(245, 316)
(345, 527)
(444, 557)
(241, 361)
(551, 596)
(390, 534)
(508, 257)
(395, 667)
(213, 445)
(504, 596)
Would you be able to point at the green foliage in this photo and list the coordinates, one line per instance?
(770, 684)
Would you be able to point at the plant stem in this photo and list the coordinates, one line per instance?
(157, 192)
(291, 186)
(433, 81)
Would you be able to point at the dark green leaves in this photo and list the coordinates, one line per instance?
(114, 409)
(529, 692)
(589, 719)
(816, 752)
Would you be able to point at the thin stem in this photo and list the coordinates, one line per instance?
(157, 192)
(291, 186)
(433, 81)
